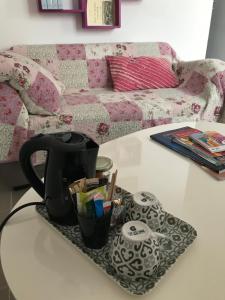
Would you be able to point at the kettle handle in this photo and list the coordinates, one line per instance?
(36, 143)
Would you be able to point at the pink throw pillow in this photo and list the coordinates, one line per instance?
(139, 73)
(39, 90)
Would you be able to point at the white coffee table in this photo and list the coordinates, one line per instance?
(41, 265)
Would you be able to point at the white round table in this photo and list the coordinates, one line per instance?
(39, 264)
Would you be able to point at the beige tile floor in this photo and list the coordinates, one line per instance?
(8, 199)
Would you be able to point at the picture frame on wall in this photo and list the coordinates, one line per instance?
(65, 6)
(96, 14)
(101, 14)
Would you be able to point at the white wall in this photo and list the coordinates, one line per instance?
(182, 23)
(216, 46)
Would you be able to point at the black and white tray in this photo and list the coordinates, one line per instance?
(180, 235)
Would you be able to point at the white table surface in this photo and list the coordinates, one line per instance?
(39, 264)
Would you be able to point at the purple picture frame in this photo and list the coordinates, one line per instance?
(117, 24)
(78, 10)
(82, 9)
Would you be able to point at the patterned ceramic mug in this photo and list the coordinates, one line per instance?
(135, 252)
(145, 207)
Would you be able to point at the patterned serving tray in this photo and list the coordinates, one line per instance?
(180, 235)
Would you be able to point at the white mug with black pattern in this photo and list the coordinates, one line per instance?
(145, 207)
(135, 251)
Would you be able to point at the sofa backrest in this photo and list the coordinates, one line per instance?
(84, 65)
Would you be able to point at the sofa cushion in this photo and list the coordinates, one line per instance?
(13, 123)
(84, 65)
(10, 104)
(140, 73)
(38, 88)
(105, 115)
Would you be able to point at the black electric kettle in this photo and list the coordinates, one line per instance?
(70, 156)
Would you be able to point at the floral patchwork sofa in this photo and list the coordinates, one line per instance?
(88, 102)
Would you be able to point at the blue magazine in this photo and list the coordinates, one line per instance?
(166, 138)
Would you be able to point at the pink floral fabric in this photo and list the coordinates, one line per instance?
(124, 111)
(219, 80)
(78, 99)
(205, 79)
(72, 52)
(44, 93)
(166, 49)
(10, 104)
(195, 85)
(98, 73)
(152, 123)
(14, 123)
(95, 109)
(38, 89)
(84, 66)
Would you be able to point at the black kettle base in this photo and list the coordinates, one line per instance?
(69, 219)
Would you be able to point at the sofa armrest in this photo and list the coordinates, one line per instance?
(205, 78)
(14, 123)
(206, 67)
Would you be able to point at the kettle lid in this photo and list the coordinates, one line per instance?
(70, 137)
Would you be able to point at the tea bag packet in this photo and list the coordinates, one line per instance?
(93, 196)
(90, 209)
(91, 203)
(93, 183)
(77, 186)
(107, 206)
(84, 184)
(98, 202)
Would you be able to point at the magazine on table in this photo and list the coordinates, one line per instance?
(210, 140)
(170, 140)
(184, 139)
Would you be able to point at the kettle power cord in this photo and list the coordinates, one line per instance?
(16, 210)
